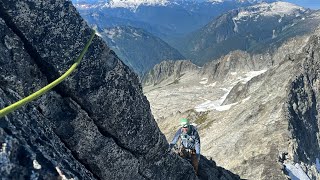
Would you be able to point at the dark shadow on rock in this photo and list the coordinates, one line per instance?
(208, 170)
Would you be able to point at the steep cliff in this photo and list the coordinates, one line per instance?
(171, 70)
(303, 108)
(96, 125)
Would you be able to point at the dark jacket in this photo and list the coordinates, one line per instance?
(190, 140)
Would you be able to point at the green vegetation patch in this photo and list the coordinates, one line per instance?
(201, 118)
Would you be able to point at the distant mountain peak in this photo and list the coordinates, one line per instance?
(118, 31)
(216, 1)
(270, 9)
(133, 4)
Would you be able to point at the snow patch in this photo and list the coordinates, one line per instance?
(112, 33)
(246, 99)
(274, 34)
(249, 75)
(225, 107)
(241, 15)
(204, 81)
(269, 9)
(235, 29)
(296, 172)
(95, 27)
(36, 165)
(4, 147)
(211, 85)
(134, 4)
(83, 6)
(98, 34)
(216, 1)
(136, 34)
(96, 15)
(61, 175)
(215, 105)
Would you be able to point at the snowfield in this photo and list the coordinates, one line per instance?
(194, 92)
(265, 9)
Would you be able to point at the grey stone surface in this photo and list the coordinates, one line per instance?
(97, 124)
(26, 135)
(168, 69)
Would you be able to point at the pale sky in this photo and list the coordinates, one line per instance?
(312, 4)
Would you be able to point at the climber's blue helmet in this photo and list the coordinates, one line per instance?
(184, 122)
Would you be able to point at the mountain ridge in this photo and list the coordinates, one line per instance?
(133, 5)
(188, 16)
(245, 115)
(128, 43)
(254, 29)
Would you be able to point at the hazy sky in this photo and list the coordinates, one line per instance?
(312, 4)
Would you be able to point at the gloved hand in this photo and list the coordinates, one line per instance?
(198, 157)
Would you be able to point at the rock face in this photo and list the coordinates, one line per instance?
(168, 69)
(303, 108)
(97, 124)
(26, 135)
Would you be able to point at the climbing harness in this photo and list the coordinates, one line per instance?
(187, 141)
(45, 89)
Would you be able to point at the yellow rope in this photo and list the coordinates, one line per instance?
(45, 89)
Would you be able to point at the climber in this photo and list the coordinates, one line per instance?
(190, 143)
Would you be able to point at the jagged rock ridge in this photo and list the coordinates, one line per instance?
(253, 29)
(165, 70)
(96, 125)
(303, 107)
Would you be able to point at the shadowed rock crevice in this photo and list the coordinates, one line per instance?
(80, 134)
